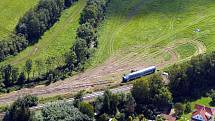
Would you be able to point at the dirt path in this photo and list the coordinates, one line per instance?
(107, 74)
(111, 71)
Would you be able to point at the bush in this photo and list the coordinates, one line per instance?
(87, 109)
(19, 110)
(64, 112)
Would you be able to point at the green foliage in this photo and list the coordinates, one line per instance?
(81, 50)
(87, 109)
(91, 16)
(38, 20)
(107, 104)
(121, 105)
(196, 75)
(32, 26)
(22, 78)
(188, 107)
(179, 109)
(13, 10)
(9, 75)
(151, 95)
(87, 33)
(78, 98)
(28, 67)
(70, 60)
(64, 112)
(19, 110)
(212, 96)
(12, 45)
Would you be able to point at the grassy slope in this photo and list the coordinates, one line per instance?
(55, 41)
(11, 11)
(155, 25)
(185, 50)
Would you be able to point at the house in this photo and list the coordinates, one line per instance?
(203, 113)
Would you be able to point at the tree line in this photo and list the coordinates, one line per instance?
(87, 39)
(194, 78)
(50, 70)
(33, 25)
(145, 101)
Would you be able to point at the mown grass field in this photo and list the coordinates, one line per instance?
(149, 27)
(11, 11)
(135, 34)
(56, 41)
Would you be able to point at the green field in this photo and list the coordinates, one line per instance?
(149, 27)
(56, 41)
(135, 33)
(185, 50)
(11, 12)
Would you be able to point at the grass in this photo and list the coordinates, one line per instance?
(153, 25)
(185, 50)
(202, 101)
(11, 12)
(56, 41)
(146, 27)
(167, 56)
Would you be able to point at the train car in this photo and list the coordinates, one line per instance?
(138, 74)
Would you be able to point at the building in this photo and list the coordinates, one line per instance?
(203, 113)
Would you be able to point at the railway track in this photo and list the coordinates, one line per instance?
(91, 96)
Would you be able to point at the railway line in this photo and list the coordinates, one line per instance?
(91, 96)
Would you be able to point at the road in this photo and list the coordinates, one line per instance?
(91, 96)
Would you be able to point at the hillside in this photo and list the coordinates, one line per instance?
(11, 12)
(155, 31)
(55, 42)
(135, 34)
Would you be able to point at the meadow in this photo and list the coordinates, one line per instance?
(134, 34)
(55, 42)
(11, 12)
(156, 31)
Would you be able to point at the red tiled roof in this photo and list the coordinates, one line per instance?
(205, 112)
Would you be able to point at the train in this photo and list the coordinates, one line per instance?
(138, 74)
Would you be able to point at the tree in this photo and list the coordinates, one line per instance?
(87, 33)
(130, 105)
(151, 95)
(70, 60)
(179, 109)
(63, 112)
(22, 78)
(28, 67)
(107, 103)
(9, 73)
(87, 109)
(78, 98)
(81, 50)
(15, 74)
(188, 108)
(19, 110)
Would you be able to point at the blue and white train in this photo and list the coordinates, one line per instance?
(138, 74)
